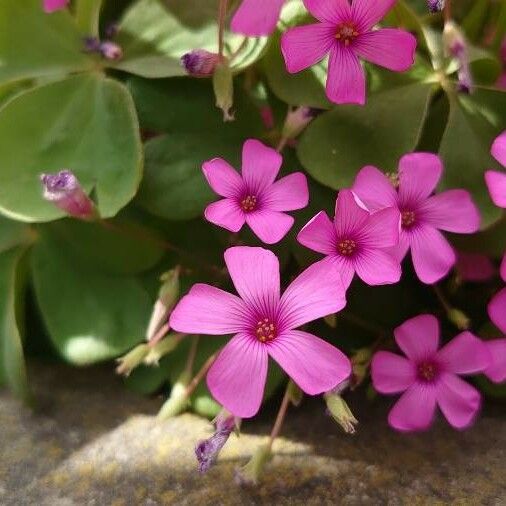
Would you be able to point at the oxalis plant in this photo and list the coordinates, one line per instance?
(236, 198)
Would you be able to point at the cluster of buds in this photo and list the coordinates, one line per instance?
(65, 192)
(456, 46)
(435, 5)
(107, 49)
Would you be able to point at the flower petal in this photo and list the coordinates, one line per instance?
(260, 165)
(332, 12)
(255, 274)
(389, 47)
(374, 189)
(287, 194)
(503, 268)
(342, 265)
(496, 184)
(498, 150)
(315, 293)
(319, 234)
(346, 77)
(256, 17)
(497, 310)
(269, 226)
(237, 377)
(209, 310)
(459, 401)
(433, 256)
(377, 267)
(419, 174)
(54, 5)
(381, 229)
(465, 354)
(366, 13)
(496, 372)
(315, 365)
(391, 373)
(415, 409)
(350, 216)
(453, 211)
(304, 46)
(223, 178)
(225, 213)
(418, 337)
(401, 249)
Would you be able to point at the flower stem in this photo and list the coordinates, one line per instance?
(87, 16)
(191, 355)
(442, 299)
(222, 12)
(280, 417)
(198, 377)
(447, 12)
(281, 144)
(159, 335)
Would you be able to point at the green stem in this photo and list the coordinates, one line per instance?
(87, 16)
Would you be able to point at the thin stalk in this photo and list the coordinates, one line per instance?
(222, 13)
(159, 335)
(191, 356)
(198, 377)
(276, 428)
(281, 144)
(442, 299)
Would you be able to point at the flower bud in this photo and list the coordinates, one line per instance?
(178, 400)
(111, 30)
(162, 348)
(65, 192)
(167, 298)
(295, 394)
(459, 318)
(297, 120)
(200, 63)
(340, 411)
(207, 450)
(110, 50)
(91, 44)
(251, 472)
(223, 84)
(456, 46)
(127, 363)
(435, 5)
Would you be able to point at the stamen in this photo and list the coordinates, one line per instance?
(248, 203)
(394, 179)
(408, 219)
(265, 330)
(346, 32)
(347, 247)
(427, 371)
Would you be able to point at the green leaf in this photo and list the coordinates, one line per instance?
(85, 123)
(174, 186)
(90, 315)
(337, 144)
(12, 364)
(34, 44)
(473, 123)
(154, 34)
(14, 233)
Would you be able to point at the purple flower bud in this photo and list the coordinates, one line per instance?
(111, 30)
(91, 44)
(64, 191)
(297, 119)
(435, 5)
(200, 63)
(465, 79)
(207, 451)
(110, 50)
(456, 47)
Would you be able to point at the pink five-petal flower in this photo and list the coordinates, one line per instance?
(254, 197)
(263, 322)
(54, 5)
(356, 241)
(345, 33)
(428, 377)
(256, 17)
(423, 215)
(496, 181)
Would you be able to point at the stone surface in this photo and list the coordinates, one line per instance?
(91, 442)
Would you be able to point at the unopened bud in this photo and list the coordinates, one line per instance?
(340, 411)
(111, 30)
(91, 44)
(178, 400)
(167, 298)
(200, 63)
(162, 348)
(208, 450)
(297, 120)
(223, 84)
(65, 192)
(295, 394)
(127, 363)
(435, 5)
(110, 50)
(251, 472)
(456, 46)
(459, 318)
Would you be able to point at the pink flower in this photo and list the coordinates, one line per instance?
(496, 371)
(496, 181)
(422, 214)
(429, 377)
(54, 5)
(256, 17)
(345, 32)
(356, 241)
(253, 197)
(497, 310)
(263, 323)
(474, 267)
